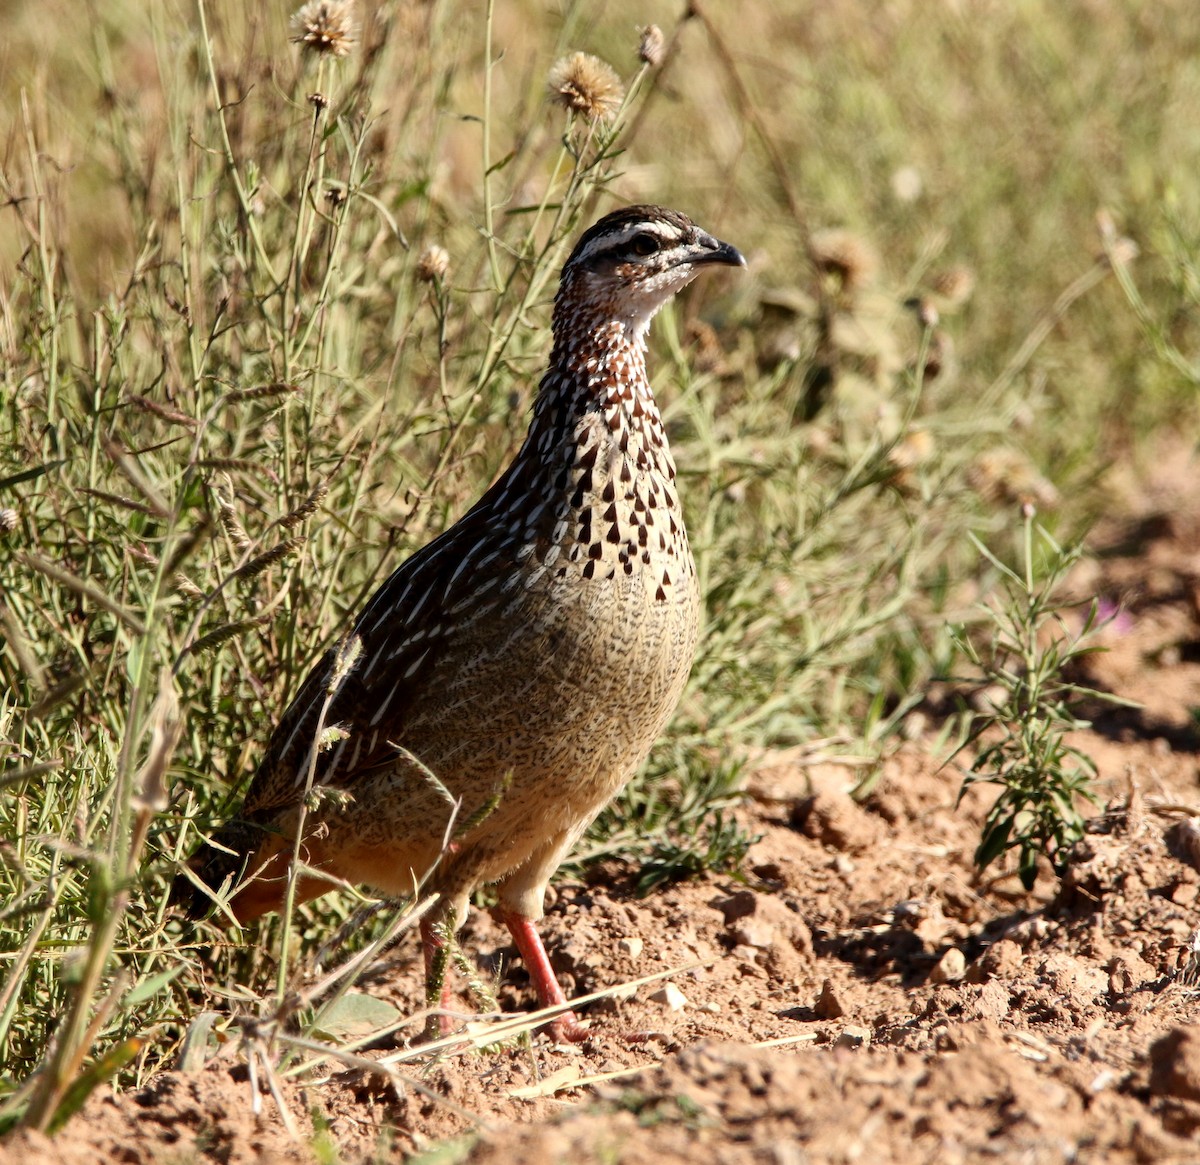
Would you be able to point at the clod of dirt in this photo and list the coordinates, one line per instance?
(1002, 960)
(1175, 1064)
(1127, 972)
(837, 821)
(828, 1005)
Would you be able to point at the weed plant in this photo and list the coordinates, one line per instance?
(271, 317)
(1024, 650)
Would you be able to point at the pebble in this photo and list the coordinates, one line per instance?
(631, 946)
(950, 968)
(1183, 840)
(853, 1037)
(670, 997)
(755, 934)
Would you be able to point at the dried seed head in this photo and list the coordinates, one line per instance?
(9, 520)
(650, 48)
(256, 566)
(234, 528)
(845, 255)
(585, 84)
(324, 26)
(433, 264)
(954, 286)
(186, 587)
(306, 508)
(330, 736)
(318, 101)
(223, 634)
(349, 652)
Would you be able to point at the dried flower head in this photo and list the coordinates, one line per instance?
(845, 255)
(433, 263)
(650, 48)
(9, 520)
(324, 26)
(584, 84)
(954, 287)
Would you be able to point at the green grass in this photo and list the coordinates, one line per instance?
(229, 402)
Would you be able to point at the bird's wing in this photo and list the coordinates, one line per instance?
(350, 711)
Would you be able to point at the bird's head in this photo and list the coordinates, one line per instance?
(630, 263)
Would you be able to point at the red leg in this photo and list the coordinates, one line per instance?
(437, 975)
(550, 993)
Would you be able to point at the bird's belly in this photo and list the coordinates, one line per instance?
(569, 682)
(560, 701)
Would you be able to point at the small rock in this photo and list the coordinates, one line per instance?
(1002, 960)
(1183, 840)
(853, 1037)
(755, 934)
(1175, 1064)
(951, 967)
(631, 946)
(670, 997)
(1185, 893)
(828, 1005)
(712, 1007)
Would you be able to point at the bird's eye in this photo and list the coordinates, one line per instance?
(645, 244)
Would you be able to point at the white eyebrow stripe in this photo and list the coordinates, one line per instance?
(667, 232)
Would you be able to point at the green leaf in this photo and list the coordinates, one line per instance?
(993, 843)
(30, 474)
(355, 1015)
(152, 986)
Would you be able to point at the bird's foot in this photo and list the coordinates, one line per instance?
(565, 1028)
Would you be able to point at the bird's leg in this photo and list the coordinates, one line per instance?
(529, 943)
(435, 944)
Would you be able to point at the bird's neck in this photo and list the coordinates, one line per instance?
(598, 369)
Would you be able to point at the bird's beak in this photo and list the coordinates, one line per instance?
(710, 250)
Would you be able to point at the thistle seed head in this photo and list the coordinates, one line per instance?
(433, 264)
(324, 26)
(845, 255)
(585, 84)
(651, 46)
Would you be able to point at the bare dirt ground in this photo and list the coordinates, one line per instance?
(863, 996)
